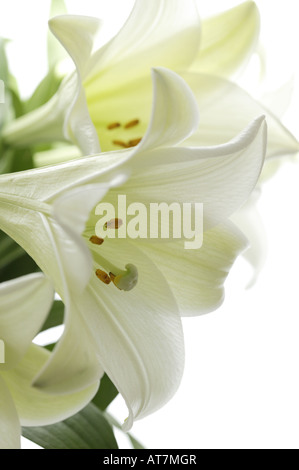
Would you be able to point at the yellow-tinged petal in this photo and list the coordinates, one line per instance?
(34, 407)
(74, 364)
(228, 40)
(175, 114)
(10, 429)
(143, 42)
(146, 41)
(25, 304)
(225, 109)
(77, 34)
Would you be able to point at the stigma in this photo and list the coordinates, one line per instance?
(127, 280)
(124, 279)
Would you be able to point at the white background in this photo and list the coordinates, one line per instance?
(241, 387)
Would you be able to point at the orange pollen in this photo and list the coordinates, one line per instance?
(104, 277)
(114, 223)
(132, 123)
(96, 240)
(113, 125)
(120, 143)
(113, 277)
(134, 142)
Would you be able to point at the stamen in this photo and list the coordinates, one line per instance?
(127, 280)
(134, 142)
(114, 223)
(132, 123)
(120, 143)
(113, 125)
(96, 240)
(124, 280)
(104, 277)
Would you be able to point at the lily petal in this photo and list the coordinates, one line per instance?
(77, 34)
(145, 42)
(25, 304)
(175, 113)
(142, 43)
(55, 52)
(73, 252)
(197, 276)
(28, 210)
(36, 408)
(10, 429)
(140, 348)
(250, 222)
(73, 365)
(65, 116)
(225, 109)
(228, 40)
(167, 119)
(220, 177)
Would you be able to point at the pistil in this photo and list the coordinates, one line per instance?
(124, 280)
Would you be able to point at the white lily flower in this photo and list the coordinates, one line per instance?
(135, 335)
(107, 101)
(25, 303)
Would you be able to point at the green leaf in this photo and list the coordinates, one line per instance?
(50, 347)
(14, 261)
(22, 160)
(44, 91)
(55, 317)
(88, 429)
(12, 98)
(6, 161)
(4, 73)
(106, 393)
(16, 101)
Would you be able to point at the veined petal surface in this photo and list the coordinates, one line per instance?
(35, 407)
(228, 40)
(10, 429)
(25, 304)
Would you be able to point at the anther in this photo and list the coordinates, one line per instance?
(113, 125)
(132, 123)
(96, 240)
(134, 142)
(104, 277)
(120, 143)
(114, 223)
